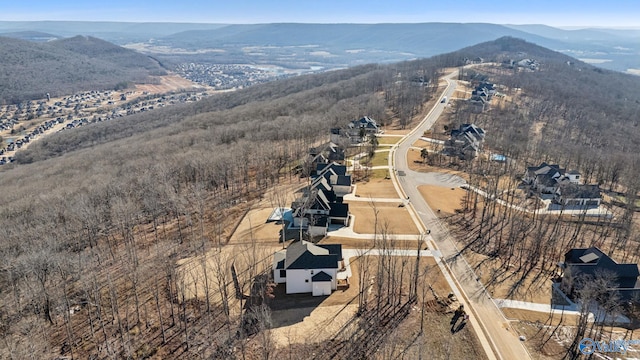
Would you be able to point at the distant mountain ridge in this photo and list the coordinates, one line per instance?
(36, 36)
(339, 45)
(421, 39)
(118, 32)
(610, 48)
(30, 70)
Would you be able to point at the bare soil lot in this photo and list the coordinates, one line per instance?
(540, 317)
(302, 319)
(168, 83)
(416, 164)
(351, 243)
(254, 225)
(446, 199)
(492, 272)
(198, 276)
(376, 188)
(396, 219)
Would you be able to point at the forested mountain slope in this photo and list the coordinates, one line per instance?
(569, 111)
(101, 214)
(30, 70)
(228, 148)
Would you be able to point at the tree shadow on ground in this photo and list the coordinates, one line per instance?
(289, 309)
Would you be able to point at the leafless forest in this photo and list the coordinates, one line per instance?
(567, 113)
(95, 221)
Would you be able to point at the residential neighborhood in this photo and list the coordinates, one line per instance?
(26, 122)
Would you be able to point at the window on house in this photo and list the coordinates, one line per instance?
(283, 273)
(311, 272)
(306, 280)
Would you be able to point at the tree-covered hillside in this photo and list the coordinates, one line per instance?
(95, 220)
(30, 70)
(588, 115)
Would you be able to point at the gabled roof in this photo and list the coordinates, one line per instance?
(591, 261)
(547, 180)
(321, 183)
(334, 249)
(313, 198)
(321, 201)
(305, 255)
(321, 277)
(553, 171)
(335, 168)
(468, 130)
(278, 259)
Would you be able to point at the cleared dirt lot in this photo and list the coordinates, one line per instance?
(376, 188)
(302, 318)
(492, 272)
(254, 223)
(416, 164)
(351, 243)
(396, 219)
(448, 200)
(200, 276)
(169, 83)
(540, 317)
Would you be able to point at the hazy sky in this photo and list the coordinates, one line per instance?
(619, 13)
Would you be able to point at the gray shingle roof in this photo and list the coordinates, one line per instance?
(305, 255)
(592, 260)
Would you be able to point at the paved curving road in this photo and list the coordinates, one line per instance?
(496, 331)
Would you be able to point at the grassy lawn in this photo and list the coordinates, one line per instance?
(388, 140)
(379, 174)
(380, 159)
